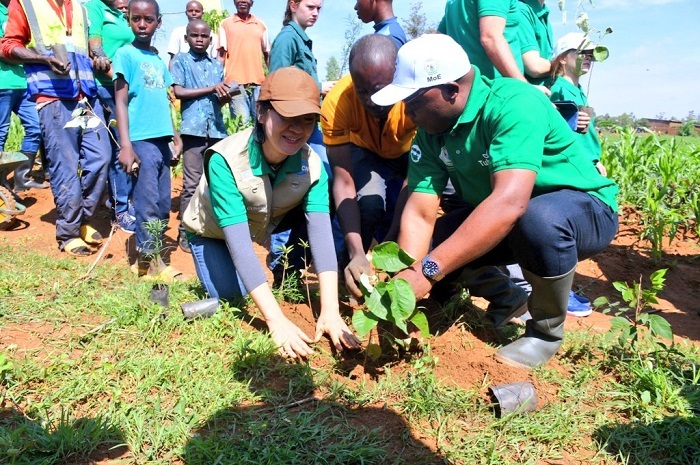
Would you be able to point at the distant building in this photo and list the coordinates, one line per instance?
(665, 126)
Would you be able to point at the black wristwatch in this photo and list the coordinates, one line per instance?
(431, 269)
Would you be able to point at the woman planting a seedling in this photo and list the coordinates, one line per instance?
(574, 59)
(252, 180)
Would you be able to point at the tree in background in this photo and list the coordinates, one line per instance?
(332, 69)
(417, 23)
(353, 29)
(213, 18)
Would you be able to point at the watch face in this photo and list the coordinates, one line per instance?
(430, 269)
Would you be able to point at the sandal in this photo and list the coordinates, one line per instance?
(167, 275)
(90, 235)
(77, 247)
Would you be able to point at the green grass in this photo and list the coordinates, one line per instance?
(213, 391)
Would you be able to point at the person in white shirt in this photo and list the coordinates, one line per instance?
(177, 44)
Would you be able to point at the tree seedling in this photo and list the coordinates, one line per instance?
(386, 299)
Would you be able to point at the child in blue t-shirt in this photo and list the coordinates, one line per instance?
(141, 80)
(199, 84)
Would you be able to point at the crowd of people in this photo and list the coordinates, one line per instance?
(454, 144)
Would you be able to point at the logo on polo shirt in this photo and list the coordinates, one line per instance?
(445, 157)
(416, 154)
(486, 159)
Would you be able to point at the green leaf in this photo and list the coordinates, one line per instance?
(646, 397)
(388, 257)
(619, 323)
(620, 286)
(403, 300)
(363, 322)
(379, 302)
(600, 301)
(373, 351)
(421, 321)
(658, 278)
(601, 53)
(660, 327)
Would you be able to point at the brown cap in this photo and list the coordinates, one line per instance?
(292, 92)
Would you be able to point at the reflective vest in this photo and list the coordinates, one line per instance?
(265, 205)
(49, 38)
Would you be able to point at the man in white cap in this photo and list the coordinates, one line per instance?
(536, 199)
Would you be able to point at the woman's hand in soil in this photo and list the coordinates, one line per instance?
(289, 339)
(334, 326)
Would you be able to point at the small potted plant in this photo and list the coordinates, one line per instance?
(152, 263)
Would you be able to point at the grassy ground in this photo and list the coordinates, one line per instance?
(116, 375)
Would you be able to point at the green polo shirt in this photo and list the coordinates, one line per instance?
(11, 75)
(227, 201)
(563, 89)
(461, 22)
(536, 32)
(109, 25)
(506, 124)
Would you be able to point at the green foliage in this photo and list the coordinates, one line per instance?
(5, 367)
(392, 301)
(353, 31)
(417, 23)
(627, 330)
(156, 230)
(332, 69)
(657, 177)
(687, 129)
(15, 135)
(213, 18)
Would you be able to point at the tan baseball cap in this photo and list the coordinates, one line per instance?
(292, 92)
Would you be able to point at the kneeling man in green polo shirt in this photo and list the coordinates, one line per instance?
(535, 198)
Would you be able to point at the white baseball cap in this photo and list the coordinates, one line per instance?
(429, 60)
(574, 41)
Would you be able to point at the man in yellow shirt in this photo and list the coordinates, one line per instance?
(367, 147)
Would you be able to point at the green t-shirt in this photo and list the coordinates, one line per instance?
(110, 25)
(461, 22)
(563, 89)
(11, 75)
(536, 32)
(227, 201)
(506, 124)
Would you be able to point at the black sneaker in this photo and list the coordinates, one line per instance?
(183, 242)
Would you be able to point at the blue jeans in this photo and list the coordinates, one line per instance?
(215, 268)
(243, 105)
(151, 195)
(77, 165)
(378, 182)
(192, 168)
(556, 231)
(17, 101)
(120, 185)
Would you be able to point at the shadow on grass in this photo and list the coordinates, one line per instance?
(64, 441)
(294, 423)
(672, 441)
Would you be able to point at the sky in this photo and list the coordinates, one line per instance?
(653, 69)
